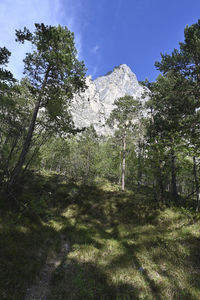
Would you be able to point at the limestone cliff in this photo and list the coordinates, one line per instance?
(96, 103)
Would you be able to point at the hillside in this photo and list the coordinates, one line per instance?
(96, 242)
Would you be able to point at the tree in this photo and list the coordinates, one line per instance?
(6, 77)
(186, 62)
(108, 159)
(169, 106)
(54, 72)
(7, 108)
(123, 118)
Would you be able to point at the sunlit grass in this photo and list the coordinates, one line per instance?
(152, 260)
(122, 246)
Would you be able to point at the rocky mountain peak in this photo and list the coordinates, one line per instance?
(96, 103)
(122, 72)
(123, 68)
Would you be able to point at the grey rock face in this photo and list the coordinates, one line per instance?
(94, 106)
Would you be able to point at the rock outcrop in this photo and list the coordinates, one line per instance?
(96, 103)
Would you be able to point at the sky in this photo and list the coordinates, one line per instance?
(107, 32)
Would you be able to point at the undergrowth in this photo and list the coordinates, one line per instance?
(123, 245)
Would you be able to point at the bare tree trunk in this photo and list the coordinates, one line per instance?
(27, 142)
(196, 183)
(120, 169)
(123, 160)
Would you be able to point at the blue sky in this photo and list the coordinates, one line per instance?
(107, 32)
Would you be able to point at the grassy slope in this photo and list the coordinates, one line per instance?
(122, 245)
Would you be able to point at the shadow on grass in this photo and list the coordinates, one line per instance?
(25, 235)
(131, 221)
(122, 247)
(76, 280)
(23, 250)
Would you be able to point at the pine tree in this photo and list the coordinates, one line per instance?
(185, 62)
(123, 118)
(54, 72)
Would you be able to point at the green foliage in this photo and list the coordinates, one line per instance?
(6, 77)
(54, 71)
(186, 60)
(175, 102)
(54, 52)
(38, 107)
(123, 119)
(54, 154)
(185, 63)
(108, 159)
(171, 105)
(38, 207)
(126, 109)
(15, 112)
(26, 240)
(87, 157)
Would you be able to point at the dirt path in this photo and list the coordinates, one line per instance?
(39, 291)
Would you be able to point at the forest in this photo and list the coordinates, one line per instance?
(88, 216)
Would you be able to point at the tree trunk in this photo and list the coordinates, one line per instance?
(123, 160)
(87, 169)
(17, 170)
(173, 174)
(120, 168)
(36, 150)
(161, 182)
(154, 191)
(196, 183)
(139, 173)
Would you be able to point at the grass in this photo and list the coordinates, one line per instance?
(122, 244)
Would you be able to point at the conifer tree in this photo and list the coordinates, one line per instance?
(54, 73)
(185, 62)
(123, 118)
